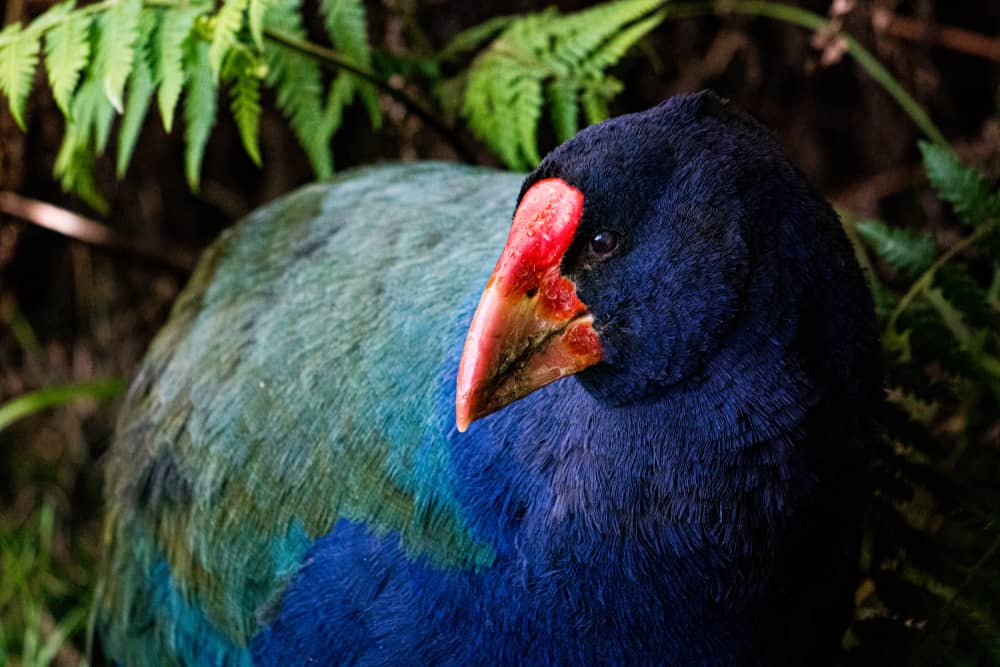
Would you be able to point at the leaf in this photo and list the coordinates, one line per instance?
(563, 108)
(347, 26)
(67, 51)
(240, 71)
(905, 250)
(140, 93)
(228, 22)
(24, 405)
(568, 56)
(959, 288)
(18, 59)
(119, 32)
(338, 97)
(255, 20)
(174, 30)
(299, 88)
(963, 187)
(470, 39)
(200, 93)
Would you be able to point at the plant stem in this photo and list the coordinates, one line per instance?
(333, 59)
(926, 279)
(806, 19)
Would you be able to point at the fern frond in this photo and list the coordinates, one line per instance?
(337, 98)
(169, 48)
(140, 92)
(67, 51)
(255, 20)
(118, 34)
(347, 26)
(963, 187)
(471, 39)
(240, 71)
(87, 127)
(18, 59)
(200, 93)
(228, 23)
(905, 250)
(565, 55)
(299, 88)
(564, 108)
(962, 292)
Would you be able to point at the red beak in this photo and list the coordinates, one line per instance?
(530, 328)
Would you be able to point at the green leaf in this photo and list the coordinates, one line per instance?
(337, 99)
(35, 401)
(18, 59)
(965, 294)
(347, 26)
(240, 71)
(228, 23)
(140, 93)
(963, 187)
(299, 88)
(908, 251)
(119, 32)
(174, 30)
(255, 20)
(567, 56)
(67, 51)
(470, 39)
(200, 101)
(563, 108)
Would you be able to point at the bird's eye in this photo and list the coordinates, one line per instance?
(602, 244)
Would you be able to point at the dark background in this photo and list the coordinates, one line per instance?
(73, 312)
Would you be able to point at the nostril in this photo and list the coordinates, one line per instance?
(531, 292)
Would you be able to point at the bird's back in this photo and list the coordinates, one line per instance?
(300, 379)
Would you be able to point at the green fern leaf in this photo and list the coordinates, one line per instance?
(568, 56)
(88, 123)
(471, 39)
(299, 88)
(563, 107)
(962, 292)
(963, 187)
(240, 71)
(169, 48)
(337, 99)
(200, 101)
(255, 20)
(18, 59)
(228, 24)
(119, 31)
(140, 92)
(908, 251)
(347, 26)
(67, 51)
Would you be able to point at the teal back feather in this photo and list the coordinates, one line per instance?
(299, 380)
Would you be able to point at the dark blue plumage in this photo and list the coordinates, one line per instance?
(694, 498)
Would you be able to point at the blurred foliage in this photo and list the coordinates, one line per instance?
(931, 592)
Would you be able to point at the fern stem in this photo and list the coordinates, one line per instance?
(806, 19)
(926, 279)
(46, 23)
(331, 58)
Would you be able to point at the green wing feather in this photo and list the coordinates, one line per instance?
(298, 381)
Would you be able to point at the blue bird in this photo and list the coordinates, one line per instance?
(642, 443)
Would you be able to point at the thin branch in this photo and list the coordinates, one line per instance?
(91, 232)
(332, 59)
(806, 19)
(948, 37)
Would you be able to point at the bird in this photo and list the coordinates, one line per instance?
(639, 437)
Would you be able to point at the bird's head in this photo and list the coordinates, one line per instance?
(631, 253)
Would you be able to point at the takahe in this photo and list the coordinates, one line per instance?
(326, 459)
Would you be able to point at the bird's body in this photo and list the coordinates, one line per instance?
(288, 485)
